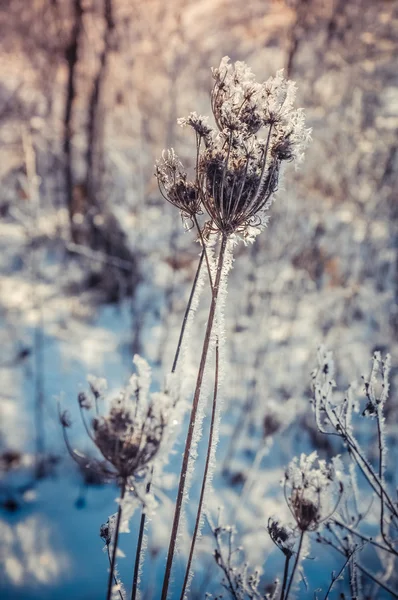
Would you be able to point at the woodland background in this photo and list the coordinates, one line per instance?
(95, 267)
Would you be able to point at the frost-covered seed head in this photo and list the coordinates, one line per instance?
(174, 185)
(65, 419)
(237, 171)
(129, 436)
(198, 124)
(84, 401)
(312, 493)
(105, 533)
(129, 443)
(282, 536)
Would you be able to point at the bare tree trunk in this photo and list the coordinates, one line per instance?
(71, 55)
(94, 128)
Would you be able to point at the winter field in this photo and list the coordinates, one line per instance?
(198, 317)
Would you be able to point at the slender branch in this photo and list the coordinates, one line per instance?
(294, 566)
(225, 567)
(360, 535)
(336, 577)
(381, 477)
(360, 567)
(188, 444)
(205, 474)
(114, 550)
(360, 460)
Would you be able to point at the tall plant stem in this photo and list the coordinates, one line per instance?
(188, 444)
(187, 310)
(139, 546)
(114, 576)
(202, 240)
(294, 567)
(202, 491)
(173, 369)
(285, 574)
(114, 550)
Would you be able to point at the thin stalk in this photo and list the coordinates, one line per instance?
(336, 577)
(285, 574)
(365, 538)
(382, 482)
(139, 547)
(114, 576)
(187, 310)
(188, 443)
(225, 567)
(114, 550)
(393, 593)
(204, 250)
(202, 491)
(294, 566)
(173, 369)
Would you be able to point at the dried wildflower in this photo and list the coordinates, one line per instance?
(198, 123)
(238, 179)
(237, 171)
(98, 386)
(84, 401)
(105, 533)
(129, 435)
(282, 536)
(174, 185)
(234, 98)
(65, 419)
(312, 494)
(377, 392)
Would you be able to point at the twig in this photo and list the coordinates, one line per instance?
(360, 535)
(98, 256)
(336, 577)
(360, 567)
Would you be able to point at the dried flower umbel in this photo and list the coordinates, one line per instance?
(175, 187)
(128, 436)
(312, 493)
(282, 536)
(238, 163)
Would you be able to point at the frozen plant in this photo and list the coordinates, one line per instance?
(342, 419)
(128, 437)
(240, 582)
(312, 492)
(237, 169)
